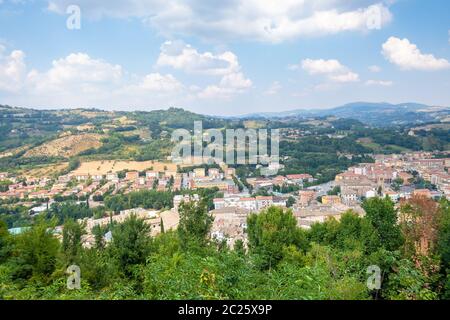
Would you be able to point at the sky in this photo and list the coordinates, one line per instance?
(223, 57)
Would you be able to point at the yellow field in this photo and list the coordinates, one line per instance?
(106, 166)
(67, 146)
(44, 171)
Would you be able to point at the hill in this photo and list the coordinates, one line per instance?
(375, 114)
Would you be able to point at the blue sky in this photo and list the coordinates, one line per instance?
(224, 57)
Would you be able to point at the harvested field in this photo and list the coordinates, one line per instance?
(107, 166)
(67, 146)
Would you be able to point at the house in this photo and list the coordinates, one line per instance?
(112, 177)
(214, 173)
(299, 178)
(178, 199)
(230, 224)
(131, 175)
(331, 200)
(279, 180)
(199, 172)
(306, 196)
(152, 174)
(263, 202)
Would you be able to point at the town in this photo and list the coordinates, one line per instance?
(397, 176)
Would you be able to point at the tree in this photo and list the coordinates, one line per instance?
(443, 244)
(195, 223)
(35, 252)
(130, 243)
(71, 243)
(383, 217)
(4, 240)
(270, 231)
(419, 218)
(290, 202)
(239, 247)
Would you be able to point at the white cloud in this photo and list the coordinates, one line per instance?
(12, 69)
(375, 69)
(321, 66)
(274, 88)
(345, 77)
(229, 86)
(157, 83)
(77, 72)
(235, 80)
(261, 20)
(383, 83)
(407, 56)
(333, 69)
(79, 80)
(182, 56)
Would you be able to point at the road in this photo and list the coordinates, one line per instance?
(322, 189)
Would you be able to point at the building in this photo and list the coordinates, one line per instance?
(330, 200)
(152, 174)
(199, 172)
(178, 199)
(131, 175)
(300, 178)
(306, 196)
(319, 213)
(230, 224)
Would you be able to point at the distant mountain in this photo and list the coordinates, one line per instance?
(377, 114)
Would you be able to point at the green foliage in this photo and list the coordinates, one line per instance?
(71, 243)
(34, 252)
(327, 262)
(4, 241)
(270, 231)
(195, 223)
(4, 185)
(383, 217)
(148, 199)
(69, 210)
(130, 243)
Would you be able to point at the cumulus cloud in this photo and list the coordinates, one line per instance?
(79, 80)
(407, 56)
(230, 85)
(76, 72)
(333, 69)
(182, 56)
(321, 66)
(12, 69)
(261, 20)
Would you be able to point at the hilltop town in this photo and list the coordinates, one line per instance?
(397, 176)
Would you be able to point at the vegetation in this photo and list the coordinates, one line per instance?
(329, 261)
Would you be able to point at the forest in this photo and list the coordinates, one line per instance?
(410, 246)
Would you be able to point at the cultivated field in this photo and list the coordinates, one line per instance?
(67, 146)
(106, 166)
(44, 171)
